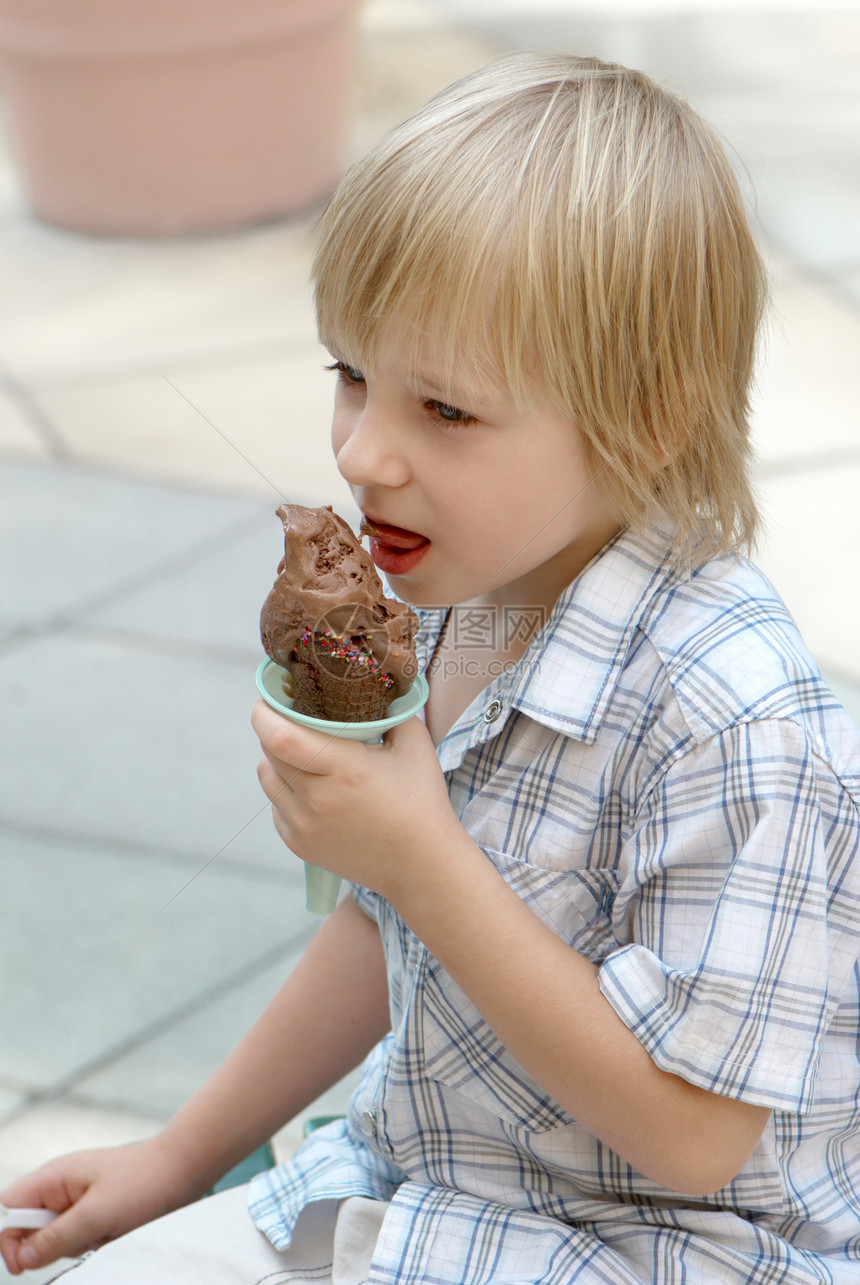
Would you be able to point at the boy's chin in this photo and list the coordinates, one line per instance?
(421, 597)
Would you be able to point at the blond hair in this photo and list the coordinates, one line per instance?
(574, 230)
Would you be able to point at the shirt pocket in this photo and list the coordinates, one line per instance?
(460, 1049)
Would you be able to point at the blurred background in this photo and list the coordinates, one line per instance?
(160, 395)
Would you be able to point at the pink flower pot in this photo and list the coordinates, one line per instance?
(147, 117)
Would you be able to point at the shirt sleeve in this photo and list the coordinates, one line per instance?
(740, 907)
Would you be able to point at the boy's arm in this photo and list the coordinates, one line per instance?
(326, 1017)
(544, 1003)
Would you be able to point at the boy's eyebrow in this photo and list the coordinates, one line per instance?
(432, 383)
(428, 381)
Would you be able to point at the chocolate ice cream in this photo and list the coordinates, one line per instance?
(349, 649)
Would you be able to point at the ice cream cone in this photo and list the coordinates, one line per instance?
(336, 680)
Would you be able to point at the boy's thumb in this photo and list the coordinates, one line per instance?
(58, 1240)
(28, 1256)
(412, 730)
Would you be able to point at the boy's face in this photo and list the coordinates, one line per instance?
(475, 501)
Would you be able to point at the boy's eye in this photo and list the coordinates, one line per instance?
(451, 413)
(349, 374)
(352, 376)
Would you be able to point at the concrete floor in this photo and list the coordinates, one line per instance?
(157, 399)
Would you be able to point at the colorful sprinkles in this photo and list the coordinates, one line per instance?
(343, 649)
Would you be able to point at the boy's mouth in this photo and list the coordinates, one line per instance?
(394, 549)
(396, 537)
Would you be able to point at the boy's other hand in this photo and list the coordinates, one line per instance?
(370, 813)
(98, 1196)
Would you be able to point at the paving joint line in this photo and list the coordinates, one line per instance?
(171, 858)
(172, 363)
(22, 397)
(116, 591)
(65, 1084)
(34, 1098)
(138, 477)
(165, 645)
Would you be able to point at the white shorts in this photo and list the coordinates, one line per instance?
(214, 1242)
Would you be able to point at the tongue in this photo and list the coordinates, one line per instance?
(396, 537)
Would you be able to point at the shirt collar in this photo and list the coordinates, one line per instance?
(570, 669)
(568, 675)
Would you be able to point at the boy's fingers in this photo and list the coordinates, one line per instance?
(300, 747)
(9, 1244)
(30, 1192)
(39, 1190)
(275, 779)
(39, 1248)
(68, 1237)
(411, 732)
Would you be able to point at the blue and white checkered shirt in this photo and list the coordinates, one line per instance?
(670, 786)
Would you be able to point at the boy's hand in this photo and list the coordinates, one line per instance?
(370, 813)
(98, 1195)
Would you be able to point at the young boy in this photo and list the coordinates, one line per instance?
(601, 949)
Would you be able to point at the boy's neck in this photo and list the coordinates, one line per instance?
(542, 587)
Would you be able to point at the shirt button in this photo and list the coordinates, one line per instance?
(368, 1124)
(492, 712)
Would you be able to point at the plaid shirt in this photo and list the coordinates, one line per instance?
(667, 783)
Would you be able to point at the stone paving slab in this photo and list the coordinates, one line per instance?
(11, 1100)
(213, 600)
(826, 213)
(79, 537)
(806, 403)
(811, 555)
(157, 1076)
(97, 952)
(18, 436)
(851, 285)
(254, 424)
(120, 743)
(66, 311)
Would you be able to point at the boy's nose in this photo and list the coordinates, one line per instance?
(369, 451)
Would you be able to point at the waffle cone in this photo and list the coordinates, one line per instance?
(340, 697)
